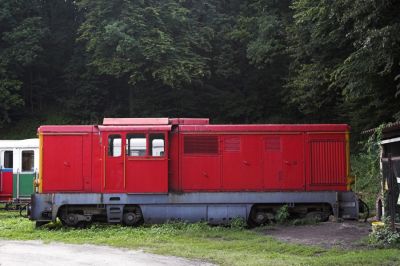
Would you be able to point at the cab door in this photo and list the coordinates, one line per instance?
(114, 162)
(146, 162)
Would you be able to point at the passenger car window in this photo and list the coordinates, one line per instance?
(136, 145)
(8, 159)
(27, 161)
(157, 144)
(114, 145)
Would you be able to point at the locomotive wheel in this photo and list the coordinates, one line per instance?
(131, 218)
(71, 219)
(259, 217)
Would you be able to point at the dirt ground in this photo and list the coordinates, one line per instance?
(346, 235)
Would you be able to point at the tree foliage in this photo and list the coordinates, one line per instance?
(345, 60)
(253, 61)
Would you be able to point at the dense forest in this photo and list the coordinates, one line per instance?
(238, 61)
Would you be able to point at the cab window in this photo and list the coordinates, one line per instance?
(157, 144)
(136, 145)
(114, 145)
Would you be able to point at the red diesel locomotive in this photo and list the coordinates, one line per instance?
(133, 170)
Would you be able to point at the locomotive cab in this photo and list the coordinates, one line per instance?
(135, 160)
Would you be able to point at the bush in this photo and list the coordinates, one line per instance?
(238, 223)
(384, 236)
(365, 167)
(282, 215)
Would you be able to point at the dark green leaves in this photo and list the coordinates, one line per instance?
(253, 61)
(156, 41)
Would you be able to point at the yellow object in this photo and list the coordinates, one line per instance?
(377, 225)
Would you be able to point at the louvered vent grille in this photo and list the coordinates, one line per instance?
(273, 144)
(232, 144)
(201, 145)
(328, 162)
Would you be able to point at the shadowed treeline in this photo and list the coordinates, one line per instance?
(260, 61)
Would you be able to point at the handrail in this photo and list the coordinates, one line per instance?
(36, 179)
(124, 158)
(104, 166)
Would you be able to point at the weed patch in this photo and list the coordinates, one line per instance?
(282, 215)
(383, 236)
(365, 168)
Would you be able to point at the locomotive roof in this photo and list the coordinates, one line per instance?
(267, 127)
(189, 125)
(154, 121)
(129, 124)
(136, 128)
(90, 129)
(67, 129)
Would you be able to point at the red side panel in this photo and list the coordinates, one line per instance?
(173, 163)
(200, 163)
(326, 167)
(147, 175)
(284, 162)
(97, 163)
(273, 167)
(6, 184)
(66, 163)
(241, 166)
(293, 162)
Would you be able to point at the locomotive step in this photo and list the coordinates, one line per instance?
(114, 213)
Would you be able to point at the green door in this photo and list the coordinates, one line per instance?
(26, 187)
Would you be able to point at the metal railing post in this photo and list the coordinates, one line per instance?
(35, 188)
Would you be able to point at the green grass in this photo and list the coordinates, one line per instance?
(221, 245)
